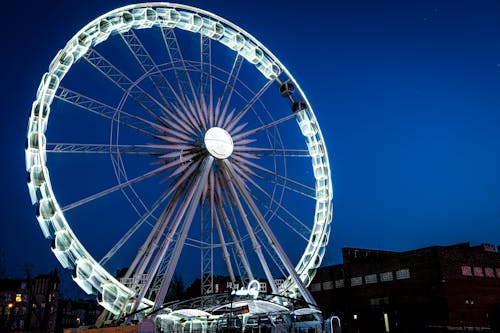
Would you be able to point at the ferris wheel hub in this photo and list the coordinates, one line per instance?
(219, 143)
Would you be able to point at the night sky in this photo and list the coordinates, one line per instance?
(407, 94)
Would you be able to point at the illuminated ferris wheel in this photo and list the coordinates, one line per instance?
(176, 139)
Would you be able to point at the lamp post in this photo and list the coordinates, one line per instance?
(9, 314)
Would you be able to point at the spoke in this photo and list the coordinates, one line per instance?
(156, 76)
(188, 218)
(230, 123)
(216, 112)
(196, 110)
(246, 156)
(206, 75)
(263, 127)
(245, 175)
(106, 111)
(186, 89)
(181, 160)
(106, 68)
(302, 189)
(273, 257)
(116, 188)
(311, 195)
(301, 229)
(121, 175)
(124, 83)
(178, 147)
(255, 244)
(273, 241)
(165, 254)
(238, 129)
(146, 62)
(239, 265)
(158, 79)
(131, 231)
(257, 151)
(172, 134)
(90, 148)
(184, 213)
(235, 238)
(143, 258)
(207, 241)
(229, 88)
(187, 117)
(308, 193)
(206, 64)
(179, 65)
(143, 218)
(305, 231)
(225, 252)
(208, 109)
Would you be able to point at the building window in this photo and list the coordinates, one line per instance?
(379, 301)
(19, 298)
(386, 276)
(279, 282)
(339, 283)
(263, 287)
(316, 287)
(478, 271)
(403, 274)
(489, 272)
(328, 285)
(356, 281)
(372, 278)
(466, 271)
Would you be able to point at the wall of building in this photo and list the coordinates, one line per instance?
(471, 276)
(380, 291)
(29, 304)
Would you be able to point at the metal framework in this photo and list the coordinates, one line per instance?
(198, 131)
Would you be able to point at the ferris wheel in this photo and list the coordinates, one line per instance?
(176, 139)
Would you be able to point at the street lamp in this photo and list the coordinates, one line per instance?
(9, 310)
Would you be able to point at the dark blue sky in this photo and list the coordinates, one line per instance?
(407, 94)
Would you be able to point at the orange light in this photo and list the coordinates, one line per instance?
(10, 305)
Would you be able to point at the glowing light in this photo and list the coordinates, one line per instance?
(386, 322)
(251, 290)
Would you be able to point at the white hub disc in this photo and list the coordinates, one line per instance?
(219, 143)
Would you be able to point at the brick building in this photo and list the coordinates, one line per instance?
(29, 304)
(77, 313)
(451, 287)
